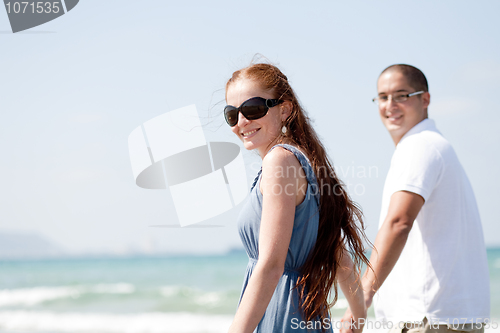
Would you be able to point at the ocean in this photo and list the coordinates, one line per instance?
(138, 295)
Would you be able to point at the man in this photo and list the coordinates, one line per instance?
(429, 263)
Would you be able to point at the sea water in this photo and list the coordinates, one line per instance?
(138, 295)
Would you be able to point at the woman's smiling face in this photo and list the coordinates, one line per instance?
(261, 133)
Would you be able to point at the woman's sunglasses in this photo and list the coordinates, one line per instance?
(253, 108)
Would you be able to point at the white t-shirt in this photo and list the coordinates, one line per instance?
(442, 273)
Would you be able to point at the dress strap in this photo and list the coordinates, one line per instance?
(256, 179)
(306, 166)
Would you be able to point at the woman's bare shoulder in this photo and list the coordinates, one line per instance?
(280, 157)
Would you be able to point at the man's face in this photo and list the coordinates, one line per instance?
(400, 117)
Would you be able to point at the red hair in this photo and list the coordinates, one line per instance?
(340, 221)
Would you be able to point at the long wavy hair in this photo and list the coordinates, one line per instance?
(341, 224)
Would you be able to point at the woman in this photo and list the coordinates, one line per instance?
(299, 224)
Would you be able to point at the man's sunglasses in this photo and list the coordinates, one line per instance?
(252, 109)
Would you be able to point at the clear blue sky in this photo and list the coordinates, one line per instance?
(73, 89)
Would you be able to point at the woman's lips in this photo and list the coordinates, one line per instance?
(249, 134)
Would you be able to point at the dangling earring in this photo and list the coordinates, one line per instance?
(283, 130)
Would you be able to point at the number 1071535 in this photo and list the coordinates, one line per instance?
(33, 7)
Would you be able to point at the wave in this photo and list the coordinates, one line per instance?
(151, 322)
(186, 298)
(209, 299)
(212, 299)
(37, 295)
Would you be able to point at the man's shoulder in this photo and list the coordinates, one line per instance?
(427, 148)
(428, 139)
(420, 151)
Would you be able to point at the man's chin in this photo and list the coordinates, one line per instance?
(393, 128)
(396, 130)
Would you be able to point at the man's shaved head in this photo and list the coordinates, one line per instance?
(416, 79)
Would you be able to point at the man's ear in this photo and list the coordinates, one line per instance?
(426, 99)
(286, 110)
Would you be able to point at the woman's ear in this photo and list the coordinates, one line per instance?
(286, 110)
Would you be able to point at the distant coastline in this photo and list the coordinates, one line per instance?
(29, 246)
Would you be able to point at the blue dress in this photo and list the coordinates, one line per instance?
(283, 314)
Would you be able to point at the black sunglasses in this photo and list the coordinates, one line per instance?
(253, 108)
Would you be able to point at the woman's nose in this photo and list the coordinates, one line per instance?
(242, 120)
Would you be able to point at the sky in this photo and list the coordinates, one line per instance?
(73, 89)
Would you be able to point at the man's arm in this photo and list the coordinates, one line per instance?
(389, 243)
(391, 239)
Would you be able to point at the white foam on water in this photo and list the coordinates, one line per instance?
(152, 322)
(32, 296)
(37, 295)
(169, 291)
(211, 299)
(208, 299)
(116, 288)
(178, 290)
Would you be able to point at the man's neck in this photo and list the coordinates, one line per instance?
(396, 138)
